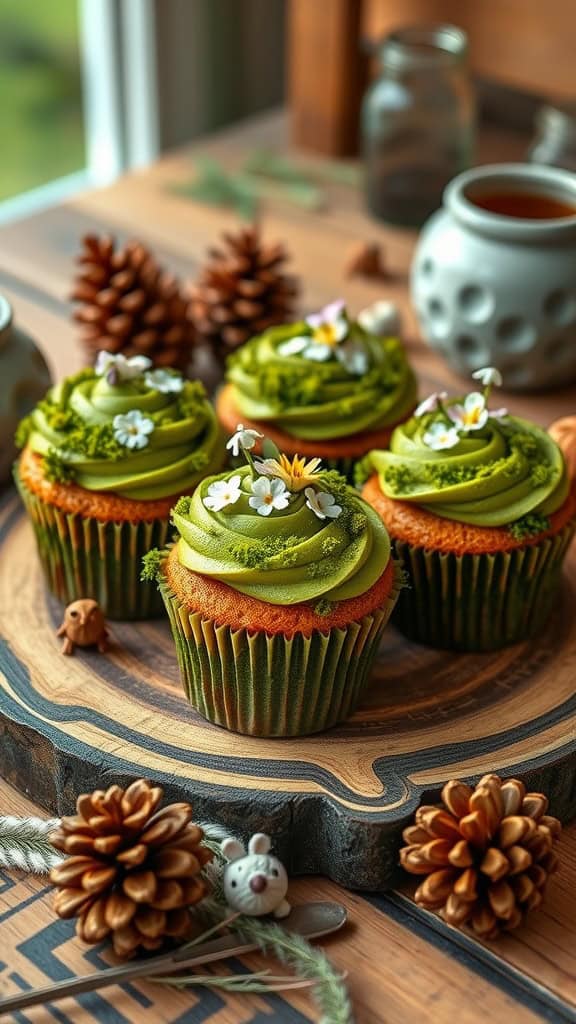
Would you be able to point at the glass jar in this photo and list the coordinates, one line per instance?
(417, 122)
(555, 140)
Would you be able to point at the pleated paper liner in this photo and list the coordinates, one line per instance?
(264, 685)
(479, 602)
(84, 557)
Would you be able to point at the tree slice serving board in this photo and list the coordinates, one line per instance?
(335, 803)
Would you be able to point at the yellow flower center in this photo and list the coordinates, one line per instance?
(472, 415)
(325, 334)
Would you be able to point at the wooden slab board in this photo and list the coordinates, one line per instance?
(335, 803)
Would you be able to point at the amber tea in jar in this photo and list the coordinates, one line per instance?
(417, 122)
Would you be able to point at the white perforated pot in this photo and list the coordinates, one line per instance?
(497, 290)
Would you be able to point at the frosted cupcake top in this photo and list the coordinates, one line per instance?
(125, 428)
(462, 460)
(323, 378)
(281, 530)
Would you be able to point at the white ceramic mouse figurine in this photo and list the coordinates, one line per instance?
(255, 883)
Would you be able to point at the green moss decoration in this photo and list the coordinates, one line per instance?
(336, 484)
(257, 554)
(95, 441)
(529, 526)
(191, 400)
(182, 506)
(151, 565)
(323, 607)
(56, 469)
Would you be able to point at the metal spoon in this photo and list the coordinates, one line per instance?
(311, 920)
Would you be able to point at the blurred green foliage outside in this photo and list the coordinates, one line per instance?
(42, 133)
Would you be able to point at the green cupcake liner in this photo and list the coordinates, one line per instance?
(479, 602)
(84, 557)
(264, 685)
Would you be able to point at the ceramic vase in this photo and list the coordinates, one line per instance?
(492, 289)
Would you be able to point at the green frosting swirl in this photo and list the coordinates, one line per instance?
(321, 400)
(73, 428)
(289, 556)
(509, 471)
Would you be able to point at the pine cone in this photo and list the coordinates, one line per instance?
(133, 870)
(129, 304)
(242, 291)
(487, 854)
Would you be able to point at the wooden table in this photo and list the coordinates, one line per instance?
(405, 966)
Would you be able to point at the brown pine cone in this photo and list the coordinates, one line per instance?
(242, 291)
(487, 854)
(132, 871)
(128, 304)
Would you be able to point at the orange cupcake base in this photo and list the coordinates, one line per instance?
(75, 500)
(414, 525)
(473, 588)
(263, 670)
(227, 607)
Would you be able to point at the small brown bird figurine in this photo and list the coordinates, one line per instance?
(83, 626)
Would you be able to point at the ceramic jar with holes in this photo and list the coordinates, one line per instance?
(491, 289)
(24, 380)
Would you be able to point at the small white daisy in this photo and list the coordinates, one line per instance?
(268, 495)
(244, 438)
(165, 381)
(488, 375)
(132, 429)
(222, 493)
(322, 504)
(116, 368)
(439, 436)
(472, 415)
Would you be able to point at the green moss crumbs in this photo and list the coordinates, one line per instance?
(257, 554)
(192, 399)
(182, 506)
(151, 565)
(323, 607)
(529, 526)
(56, 468)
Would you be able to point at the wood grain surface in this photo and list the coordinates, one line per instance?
(334, 803)
(404, 965)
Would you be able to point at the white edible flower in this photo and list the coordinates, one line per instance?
(222, 493)
(243, 438)
(439, 436)
(488, 375)
(268, 495)
(116, 368)
(132, 429)
(498, 414)
(472, 415)
(329, 338)
(165, 381)
(430, 404)
(322, 504)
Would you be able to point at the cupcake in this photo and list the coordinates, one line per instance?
(277, 589)
(104, 455)
(481, 512)
(324, 387)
